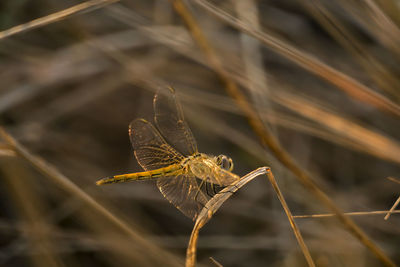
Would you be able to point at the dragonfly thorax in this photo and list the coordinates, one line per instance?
(201, 165)
(210, 169)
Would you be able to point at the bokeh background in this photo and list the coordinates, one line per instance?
(69, 88)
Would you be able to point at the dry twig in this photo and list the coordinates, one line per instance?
(57, 16)
(355, 213)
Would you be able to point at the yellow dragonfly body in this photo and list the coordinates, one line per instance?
(168, 153)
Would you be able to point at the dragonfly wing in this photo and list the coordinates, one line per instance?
(170, 121)
(151, 150)
(223, 177)
(184, 193)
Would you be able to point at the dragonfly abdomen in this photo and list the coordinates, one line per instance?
(171, 170)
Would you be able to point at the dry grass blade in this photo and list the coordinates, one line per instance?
(77, 9)
(258, 127)
(346, 38)
(392, 208)
(74, 100)
(70, 187)
(349, 85)
(211, 207)
(384, 27)
(372, 141)
(7, 151)
(215, 203)
(296, 230)
(256, 81)
(215, 262)
(394, 180)
(355, 213)
(31, 208)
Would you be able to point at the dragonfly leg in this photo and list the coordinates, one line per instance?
(198, 190)
(214, 187)
(207, 190)
(211, 187)
(229, 190)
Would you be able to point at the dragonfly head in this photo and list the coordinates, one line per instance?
(224, 162)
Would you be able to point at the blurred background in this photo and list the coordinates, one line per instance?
(323, 76)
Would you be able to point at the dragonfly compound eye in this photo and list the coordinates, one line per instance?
(225, 162)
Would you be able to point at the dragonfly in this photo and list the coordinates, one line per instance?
(167, 151)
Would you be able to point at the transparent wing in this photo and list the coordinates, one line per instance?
(169, 119)
(151, 150)
(184, 193)
(223, 177)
